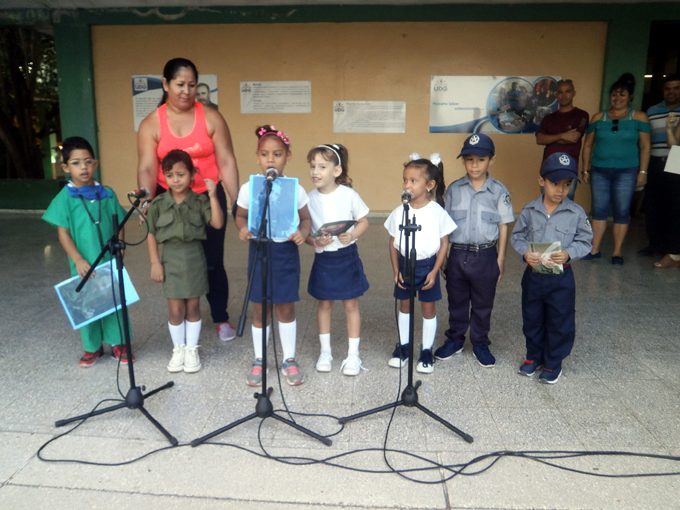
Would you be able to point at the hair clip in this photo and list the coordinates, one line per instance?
(414, 156)
(271, 130)
(435, 159)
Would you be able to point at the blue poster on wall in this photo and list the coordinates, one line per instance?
(490, 104)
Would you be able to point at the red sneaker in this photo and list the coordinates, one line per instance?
(120, 352)
(90, 358)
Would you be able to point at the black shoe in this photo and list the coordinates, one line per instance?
(646, 251)
(426, 362)
(399, 356)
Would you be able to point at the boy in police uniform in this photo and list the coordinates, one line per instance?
(549, 300)
(482, 209)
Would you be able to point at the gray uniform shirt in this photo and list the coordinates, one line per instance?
(568, 224)
(478, 213)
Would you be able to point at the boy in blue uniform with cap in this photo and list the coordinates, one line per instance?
(482, 209)
(549, 300)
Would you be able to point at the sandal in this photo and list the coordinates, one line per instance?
(667, 263)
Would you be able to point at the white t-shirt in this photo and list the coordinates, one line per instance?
(243, 201)
(434, 221)
(343, 203)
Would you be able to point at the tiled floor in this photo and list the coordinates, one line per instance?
(620, 391)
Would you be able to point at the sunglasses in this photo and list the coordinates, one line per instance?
(615, 127)
(568, 82)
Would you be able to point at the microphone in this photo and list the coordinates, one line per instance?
(140, 193)
(272, 174)
(406, 197)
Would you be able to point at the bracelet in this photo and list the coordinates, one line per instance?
(585, 172)
(643, 173)
(316, 245)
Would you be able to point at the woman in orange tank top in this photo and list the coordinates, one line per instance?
(182, 123)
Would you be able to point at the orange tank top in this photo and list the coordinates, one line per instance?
(197, 144)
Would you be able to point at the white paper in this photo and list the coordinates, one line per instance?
(673, 161)
(369, 116)
(147, 91)
(276, 97)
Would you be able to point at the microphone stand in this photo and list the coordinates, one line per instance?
(263, 408)
(134, 398)
(409, 396)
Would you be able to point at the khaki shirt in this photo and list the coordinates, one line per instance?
(179, 223)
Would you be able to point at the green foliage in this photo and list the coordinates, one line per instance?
(29, 106)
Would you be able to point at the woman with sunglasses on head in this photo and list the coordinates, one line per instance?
(615, 159)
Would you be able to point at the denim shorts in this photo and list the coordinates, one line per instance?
(612, 188)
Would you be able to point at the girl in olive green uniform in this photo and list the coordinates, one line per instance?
(177, 220)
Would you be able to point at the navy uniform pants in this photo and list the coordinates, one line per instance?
(549, 315)
(471, 279)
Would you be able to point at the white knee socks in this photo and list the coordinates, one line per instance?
(257, 340)
(403, 328)
(429, 332)
(177, 333)
(193, 331)
(288, 334)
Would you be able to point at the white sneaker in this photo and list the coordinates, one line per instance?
(177, 361)
(192, 362)
(352, 365)
(324, 362)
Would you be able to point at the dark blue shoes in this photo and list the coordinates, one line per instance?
(450, 348)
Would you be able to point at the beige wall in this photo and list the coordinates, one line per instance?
(352, 61)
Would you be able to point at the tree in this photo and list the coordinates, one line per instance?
(29, 106)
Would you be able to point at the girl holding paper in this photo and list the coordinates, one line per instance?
(337, 273)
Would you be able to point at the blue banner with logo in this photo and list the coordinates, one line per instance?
(490, 104)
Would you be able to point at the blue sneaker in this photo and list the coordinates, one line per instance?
(450, 348)
(484, 356)
(399, 356)
(529, 367)
(549, 376)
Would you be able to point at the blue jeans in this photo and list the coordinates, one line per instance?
(612, 187)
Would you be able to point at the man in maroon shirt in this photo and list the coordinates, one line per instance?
(562, 131)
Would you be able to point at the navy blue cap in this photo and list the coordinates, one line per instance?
(478, 144)
(559, 166)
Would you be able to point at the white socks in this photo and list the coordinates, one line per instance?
(403, 328)
(193, 331)
(257, 340)
(353, 346)
(325, 342)
(288, 334)
(429, 332)
(177, 333)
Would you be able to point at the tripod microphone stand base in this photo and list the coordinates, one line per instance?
(133, 400)
(409, 398)
(263, 409)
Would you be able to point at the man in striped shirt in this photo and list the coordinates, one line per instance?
(654, 219)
